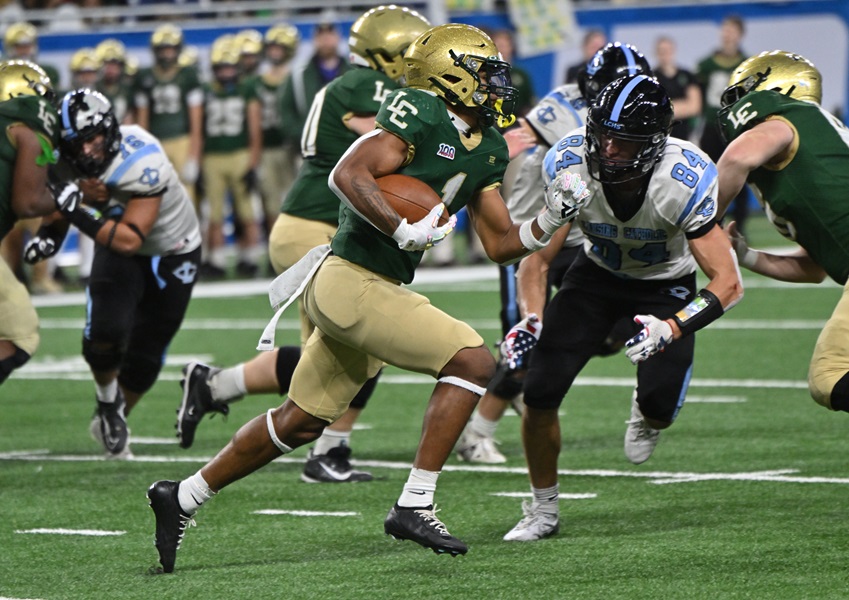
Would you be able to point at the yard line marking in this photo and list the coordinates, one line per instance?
(560, 496)
(716, 399)
(304, 513)
(61, 531)
(662, 477)
(153, 441)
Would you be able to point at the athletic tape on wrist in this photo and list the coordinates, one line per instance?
(528, 239)
(702, 310)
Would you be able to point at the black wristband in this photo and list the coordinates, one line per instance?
(85, 221)
(111, 235)
(702, 310)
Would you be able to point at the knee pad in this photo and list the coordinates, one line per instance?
(365, 392)
(138, 374)
(9, 364)
(506, 384)
(102, 356)
(287, 360)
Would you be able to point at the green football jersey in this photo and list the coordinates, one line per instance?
(121, 97)
(457, 167)
(806, 197)
(167, 100)
(270, 96)
(40, 116)
(713, 73)
(359, 91)
(225, 117)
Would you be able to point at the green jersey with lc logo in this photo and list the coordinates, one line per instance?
(39, 115)
(358, 92)
(805, 196)
(168, 100)
(457, 166)
(225, 116)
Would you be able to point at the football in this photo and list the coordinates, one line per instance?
(410, 197)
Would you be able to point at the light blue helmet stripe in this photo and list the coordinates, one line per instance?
(68, 130)
(623, 97)
(631, 59)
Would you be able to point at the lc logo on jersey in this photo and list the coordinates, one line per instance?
(150, 177)
(446, 151)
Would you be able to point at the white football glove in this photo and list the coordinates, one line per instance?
(68, 199)
(424, 234)
(654, 337)
(520, 340)
(190, 171)
(564, 197)
(39, 248)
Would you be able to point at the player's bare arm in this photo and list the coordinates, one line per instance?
(359, 124)
(795, 267)
(532, 275)
(767, 142)
(254, 133)
(30, 194)
(127, 235)
(380, 154)
(498, 234)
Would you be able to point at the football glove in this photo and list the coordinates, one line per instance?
(190, 172)
(424, 234)
(654, 337)
(39, 248)
(68, 199)
(520, 340)
(564, 197)
(250, 179)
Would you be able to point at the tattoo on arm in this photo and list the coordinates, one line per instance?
(379, 211)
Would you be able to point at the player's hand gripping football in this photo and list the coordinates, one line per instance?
(424, 234)
(564, 197)
(654, 337)
(520, 340)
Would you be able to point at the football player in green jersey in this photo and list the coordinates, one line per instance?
(794, 153)
(439, 131)
(31, 127)
(341, 112)
(232, 147)
(20, 42)
(113, 78)
(169, 104)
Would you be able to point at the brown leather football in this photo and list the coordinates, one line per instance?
(410, 197)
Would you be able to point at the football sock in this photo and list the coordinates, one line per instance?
(546, 499)
(106, 393)
(331, 439)
(840, 394)
(419, 489)
(228, 384)
(483, 426)
(217, 258)
(193, 492)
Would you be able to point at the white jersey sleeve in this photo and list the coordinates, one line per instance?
(560, 111)
(141, 169)
(652, 244)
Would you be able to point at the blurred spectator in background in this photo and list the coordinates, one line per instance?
(681, 86)
(526, 97)
(113, 81)
(169, 104)
(594, 40)
(232, 132)
(280, 160)
(713, 73)
(304, 82)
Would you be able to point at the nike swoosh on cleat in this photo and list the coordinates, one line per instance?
(334, 474)
(417, 493)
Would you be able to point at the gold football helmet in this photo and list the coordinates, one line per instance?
(283, 35)
(189, 56)
(380, 37)
(85, 59)
(461, 64)
(249, 41)
(19, 34)
(225, 51)
(111, 50)
(784, 72)
(23, 78)
(166, 35)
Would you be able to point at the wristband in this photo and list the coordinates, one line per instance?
(528, 239)
(702, 310)
(85, 221)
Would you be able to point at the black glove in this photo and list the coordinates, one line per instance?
(45, 243)
(250, 179)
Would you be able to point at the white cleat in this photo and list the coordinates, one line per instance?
(640, 439)
(476, 448)
(535, 525)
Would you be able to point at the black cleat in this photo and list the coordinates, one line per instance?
(171, 521)
(197, 401)
(421, 525)
(113, 433)
(333, 467)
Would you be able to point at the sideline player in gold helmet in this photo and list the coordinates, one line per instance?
(85, 68)
(249, 43)
(794, 154)
(31, 128)
(20, 41)
(113, 81)
(379, 38)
